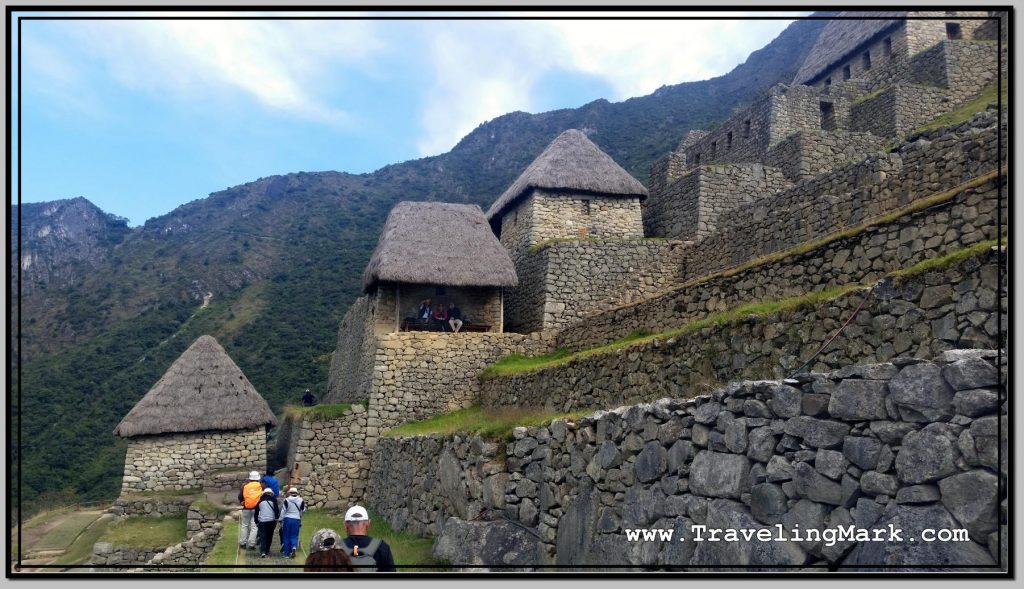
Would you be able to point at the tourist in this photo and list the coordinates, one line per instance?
(292, 509)
(424, 313)
(249, 496)
(454, 317)
(269, 482)
(325, 554)
(440, 317)
(308, 399)
(365, 552)
(267, 514)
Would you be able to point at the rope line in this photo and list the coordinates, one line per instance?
(849, 320)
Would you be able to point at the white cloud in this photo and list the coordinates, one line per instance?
(488, 69)
(280, 64)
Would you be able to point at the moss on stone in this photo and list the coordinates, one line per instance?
(965, 112)
(319, 411)
(492, 424)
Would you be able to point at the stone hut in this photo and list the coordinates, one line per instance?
(439, 251)
(202, 416)
(572, 190)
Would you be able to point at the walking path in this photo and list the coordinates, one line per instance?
(245, 557)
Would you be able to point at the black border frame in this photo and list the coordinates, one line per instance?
(618, 571)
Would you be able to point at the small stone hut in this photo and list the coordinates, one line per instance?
(572, 190)
(441, 251)
(202, 416)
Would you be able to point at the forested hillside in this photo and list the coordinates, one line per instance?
(280, 260)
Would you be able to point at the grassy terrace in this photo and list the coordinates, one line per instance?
(492, 424)
(319, 411)
(519, 364)
(143, 532)
(965, 112)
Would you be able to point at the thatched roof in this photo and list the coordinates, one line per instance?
(839, 38)
(570, 162)
(203, 390)
(439, 243)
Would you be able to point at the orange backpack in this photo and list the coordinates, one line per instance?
(251, 494)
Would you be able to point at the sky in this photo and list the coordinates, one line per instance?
(141, 116)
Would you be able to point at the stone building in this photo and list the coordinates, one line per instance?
(572, 190)
(439, 251)
(865, 82)
(201, 417)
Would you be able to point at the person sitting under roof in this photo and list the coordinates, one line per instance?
(440, 317)
(454, 317)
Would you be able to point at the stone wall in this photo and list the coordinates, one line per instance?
(418, 482)
(119, 557)
(927, 164)
(151, 505)
(331, 456)
(959, 306)
(967, 218)
(352, 362)
(569, 280)
(689, 208)
(914, 444)
(190, 552)
(805, 154)
(421, 374)
(182, 461)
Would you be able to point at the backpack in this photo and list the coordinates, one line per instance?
(251, 493)
(363, 561)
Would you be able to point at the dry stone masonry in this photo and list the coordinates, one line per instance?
(911, 443)
(183, 461)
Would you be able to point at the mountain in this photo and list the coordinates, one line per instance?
(269, 268)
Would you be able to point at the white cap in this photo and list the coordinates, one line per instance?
(356, 514)
(254, 476)
(292, 490)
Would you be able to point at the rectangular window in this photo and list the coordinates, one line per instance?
(866, 60)
(828, 82)
(828, 116)
(515, 218)
(439, 291)
(586, 206)
(953, 31)
(746, 129)
(887, 47)
(696, 159)
(846, 72)
(714, 150)
(728, 141)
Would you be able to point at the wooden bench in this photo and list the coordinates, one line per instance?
(420, 325)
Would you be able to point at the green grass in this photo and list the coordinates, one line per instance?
(968, 110)
(492, 424)
(408, 550)
(946, 260)
(145, 532)
(62, 536)
(226, 548)
(207, 507)
(318, 411)
(81, 550)
(520, 364)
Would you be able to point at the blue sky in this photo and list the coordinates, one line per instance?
(142, 116)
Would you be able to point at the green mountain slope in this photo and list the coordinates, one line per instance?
(279, 261)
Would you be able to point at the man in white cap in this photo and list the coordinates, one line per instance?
(292, 509)
(249, 496)
(366, 553)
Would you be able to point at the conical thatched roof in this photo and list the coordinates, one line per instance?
(203, 390)
(841, 37)
(570, 162)
(439, 243)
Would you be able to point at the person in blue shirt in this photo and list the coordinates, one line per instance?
(269, 482)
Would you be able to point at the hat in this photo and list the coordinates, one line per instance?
(324, 539)
(254, 476)
(268, 491)
(356, 514)
(293, 490)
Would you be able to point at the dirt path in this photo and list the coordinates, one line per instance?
(252, 557)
